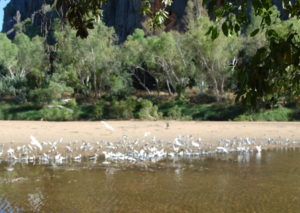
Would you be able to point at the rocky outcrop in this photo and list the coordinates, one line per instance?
(123, 15)
(26, 8)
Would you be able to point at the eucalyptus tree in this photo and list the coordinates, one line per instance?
(133, 57)
(280, 56)
(214, 58)
(22, 55)
(278, 59)
(8, 56)
(23, 64)
(90, 65)
(170, 62)
(31, 54)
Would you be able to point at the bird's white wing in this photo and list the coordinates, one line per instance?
(107, 126)
(35, 142)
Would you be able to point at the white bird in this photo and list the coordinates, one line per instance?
(10, 151)
(222, 149)
(105, 162)
(176, 142)
(171, 154)
(146, 134)
(58, 157)
(30, 147)
(176, 149)
(10, 169)
(107, 126)
(77, 158)
(1, 152)
(35, 142)
(195, 144)
(69, 149)
(94, 157)
(258, 149)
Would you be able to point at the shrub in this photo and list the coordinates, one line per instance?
(42, 96)
(175, 113)
(119, 84)
(54, 92)
(71, 103)
(149, 111)
(123, 109)
(57, 114)
(280, 114)
(12, 87)
(98, 110)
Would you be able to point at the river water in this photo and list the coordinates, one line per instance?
(246, 182)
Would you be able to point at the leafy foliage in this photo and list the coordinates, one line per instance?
(101, 75)
(149, 111)
(82, 14)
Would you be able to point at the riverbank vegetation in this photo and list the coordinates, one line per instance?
(54, 75)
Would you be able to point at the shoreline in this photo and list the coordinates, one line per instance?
(19, 132)
(138, 141)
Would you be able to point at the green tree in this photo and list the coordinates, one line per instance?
(82, 15)
(8, 56)
(90, 66)
(31, 54)
(213, 57)
(164, 57)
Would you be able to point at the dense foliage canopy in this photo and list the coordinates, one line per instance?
(262, 75)
(261, 69)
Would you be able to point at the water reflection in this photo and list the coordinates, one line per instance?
(239, 182)
(243, 158)
(258, 157)
(36, 201)
(6, 206)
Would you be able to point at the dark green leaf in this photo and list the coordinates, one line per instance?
(225, 28)
(254, 33)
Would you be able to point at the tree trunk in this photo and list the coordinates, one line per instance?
(216, 90)
(169, 88)
(157, 87)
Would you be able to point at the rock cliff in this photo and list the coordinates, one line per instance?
(123, 15)
(27, 9)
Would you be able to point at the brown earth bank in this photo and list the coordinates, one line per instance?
(19, 132)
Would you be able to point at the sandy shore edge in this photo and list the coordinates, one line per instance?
(19, 132)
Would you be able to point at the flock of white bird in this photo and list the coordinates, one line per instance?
(148, 149)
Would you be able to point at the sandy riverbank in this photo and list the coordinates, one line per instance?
(19, 132)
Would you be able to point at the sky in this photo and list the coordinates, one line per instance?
(3, 3)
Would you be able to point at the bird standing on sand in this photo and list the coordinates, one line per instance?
(167, 125)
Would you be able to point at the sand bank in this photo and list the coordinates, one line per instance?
(19, 132)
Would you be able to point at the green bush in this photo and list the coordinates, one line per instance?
(175, 113)
(98, 110)
(42, 96)
(280, 114)
(54, 92)
(57, 114)
(28, 115)
(119, 84)
(71, 104)
(123, 109)
(149, 111)
(13, 87)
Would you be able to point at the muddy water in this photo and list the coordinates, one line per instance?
(269, 182)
